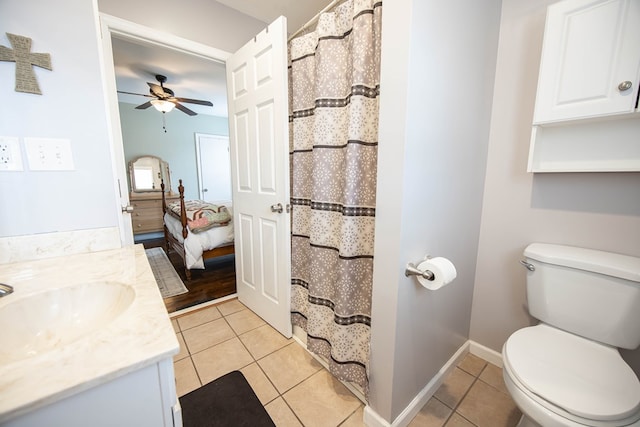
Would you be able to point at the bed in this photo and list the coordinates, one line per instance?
(196, 230)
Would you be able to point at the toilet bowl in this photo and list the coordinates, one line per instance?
(567, 370)
(558, 379)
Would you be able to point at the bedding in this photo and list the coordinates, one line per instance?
(198, 242)
(201, 215)
(198, 232)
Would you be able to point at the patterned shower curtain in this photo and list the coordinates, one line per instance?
(334, 93)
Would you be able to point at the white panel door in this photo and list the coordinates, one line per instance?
(590, 62)
(258, 127)
(214, 168)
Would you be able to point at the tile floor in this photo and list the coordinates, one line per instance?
(297, 391)
(473, 394)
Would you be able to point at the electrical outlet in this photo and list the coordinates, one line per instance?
(49, 154)
(10, 156)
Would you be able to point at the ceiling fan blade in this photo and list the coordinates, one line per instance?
(195, 101)
(131, 93)
(184, 109)
(144, 106)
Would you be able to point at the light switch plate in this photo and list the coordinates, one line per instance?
(10, 155)
(49, 154)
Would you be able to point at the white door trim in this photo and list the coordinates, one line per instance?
(112, 26)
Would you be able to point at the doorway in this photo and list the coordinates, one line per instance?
(183, 165)
(259, 236)
(214, 168)
(116, 27)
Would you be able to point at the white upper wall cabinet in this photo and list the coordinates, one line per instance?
(586, 116)
(590, 64)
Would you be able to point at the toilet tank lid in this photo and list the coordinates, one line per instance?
(609, 263)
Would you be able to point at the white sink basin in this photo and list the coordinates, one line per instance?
(51, 319)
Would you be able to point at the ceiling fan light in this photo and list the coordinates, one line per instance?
(162, 105)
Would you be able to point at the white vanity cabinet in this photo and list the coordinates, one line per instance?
(117, 371)
(143, 398)
(586, 115)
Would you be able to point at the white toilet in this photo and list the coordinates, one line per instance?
(567, 371)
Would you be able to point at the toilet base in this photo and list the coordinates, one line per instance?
(527, 422)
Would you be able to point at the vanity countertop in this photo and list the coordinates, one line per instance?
(140, 336)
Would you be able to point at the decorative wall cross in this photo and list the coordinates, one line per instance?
(24, 59)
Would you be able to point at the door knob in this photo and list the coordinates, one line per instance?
(625, 85)
(127, 209)
(204, 190)
(276, 208)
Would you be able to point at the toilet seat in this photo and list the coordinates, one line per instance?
(574, 377)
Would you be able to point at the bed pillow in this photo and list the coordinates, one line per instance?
(201, 215)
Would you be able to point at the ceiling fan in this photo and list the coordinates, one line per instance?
(165, 99)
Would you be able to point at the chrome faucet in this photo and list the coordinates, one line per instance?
(5, 290)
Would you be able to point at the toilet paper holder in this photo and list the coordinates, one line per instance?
(412, 270)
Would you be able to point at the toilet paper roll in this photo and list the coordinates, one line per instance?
(443, 271)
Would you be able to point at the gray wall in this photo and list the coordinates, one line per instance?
(438, 62)
(593, 210)
(142, 134)
(72, 106)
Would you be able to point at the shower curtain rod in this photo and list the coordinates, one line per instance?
(314, 19)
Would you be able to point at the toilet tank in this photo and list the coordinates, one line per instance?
(590, 293)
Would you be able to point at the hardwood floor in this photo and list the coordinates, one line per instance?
(217, 280)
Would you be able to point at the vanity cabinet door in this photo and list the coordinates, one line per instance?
(142, 398)
(590, 65)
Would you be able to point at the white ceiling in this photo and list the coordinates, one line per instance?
(190, 76)
(187, 75)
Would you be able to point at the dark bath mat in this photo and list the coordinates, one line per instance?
(226, 401)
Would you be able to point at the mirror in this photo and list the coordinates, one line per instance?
(146, 174)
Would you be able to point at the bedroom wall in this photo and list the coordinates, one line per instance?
(593, 210)
(142, 134)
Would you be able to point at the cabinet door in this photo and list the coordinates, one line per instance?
(590, 47)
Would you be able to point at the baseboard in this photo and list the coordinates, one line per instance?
(485, 353)
(372, 419)
(299, 335)
(140, 238)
